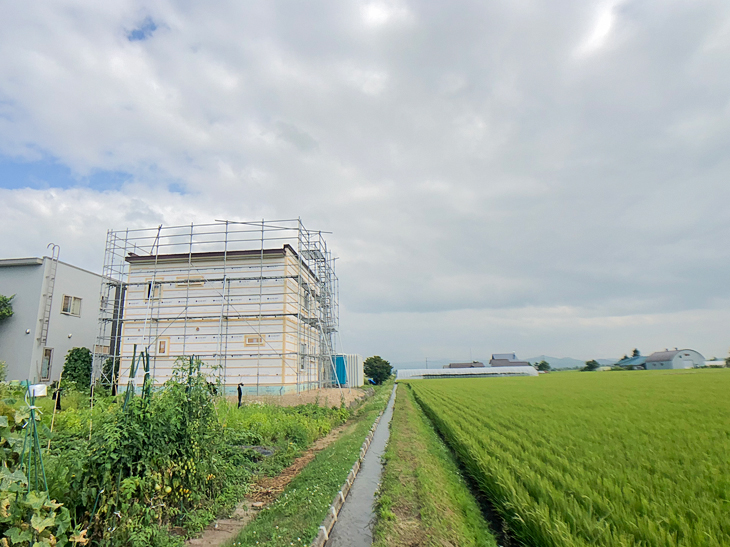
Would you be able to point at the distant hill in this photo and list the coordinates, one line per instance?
(567, 362)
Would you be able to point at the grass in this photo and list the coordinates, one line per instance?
(605, 458)
(424, 499)
(295, 516)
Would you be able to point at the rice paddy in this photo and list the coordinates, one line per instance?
(612, 458)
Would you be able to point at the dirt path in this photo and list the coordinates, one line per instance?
(262, 493)
(322, 397)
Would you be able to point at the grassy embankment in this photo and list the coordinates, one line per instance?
(424, 500)
(294, 518)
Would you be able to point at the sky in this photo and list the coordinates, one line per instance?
(538, 177)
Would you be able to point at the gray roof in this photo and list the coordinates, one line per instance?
(507, 363)
(472, 364)
(506, 359)
(34, 261)
(662, 356)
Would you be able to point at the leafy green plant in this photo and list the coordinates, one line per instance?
(6, 306)
(77, 369)
(173, 457)
(27, 517)
(377, 368)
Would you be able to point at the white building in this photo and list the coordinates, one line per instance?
(351, 366)
(256, 302)
(54, 309)
(677, 358)
(478, 372)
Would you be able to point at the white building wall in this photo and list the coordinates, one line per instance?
(219, 321)
(67, 331)
(355, 373)
(23, 351)
(16, 347)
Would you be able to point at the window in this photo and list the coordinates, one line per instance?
(71, 305)
(254, 340)
(153, 291)
(163, 346)
(302, 356)
(46, 364)
(193, 281)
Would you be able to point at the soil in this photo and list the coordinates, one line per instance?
(323, 397)
(261, 493)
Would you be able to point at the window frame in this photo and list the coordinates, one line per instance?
(254, 340)
(50, 364)
(159, 342)
(152, 290)
(72, 300)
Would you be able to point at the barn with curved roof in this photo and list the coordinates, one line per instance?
(676, 358)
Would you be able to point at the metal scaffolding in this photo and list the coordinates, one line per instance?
(256, 301)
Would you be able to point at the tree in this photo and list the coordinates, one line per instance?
(6, 306)
(377, 368)
(635, 353)
(77, 369)
(591, 365)
(543, 366)
(727, 360)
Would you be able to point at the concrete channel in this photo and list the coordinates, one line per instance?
(355, 520)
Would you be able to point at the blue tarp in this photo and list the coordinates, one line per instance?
(340, 369)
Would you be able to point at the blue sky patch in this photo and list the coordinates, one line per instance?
(143, 31)
(49, 173)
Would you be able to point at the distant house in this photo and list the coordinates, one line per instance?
(638, 361)
(506, 360)
(54, 309)
(472, 364)
(677, 358)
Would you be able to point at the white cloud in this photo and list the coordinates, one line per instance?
(600, 32)
(478, 181)
(379, 13)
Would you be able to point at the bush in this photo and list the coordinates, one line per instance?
(6, 306)
(377, 368)
(77, 369)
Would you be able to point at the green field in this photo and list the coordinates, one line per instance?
(610, 458)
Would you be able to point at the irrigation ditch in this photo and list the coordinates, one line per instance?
(351, 512)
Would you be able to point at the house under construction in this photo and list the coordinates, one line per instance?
(255, 301)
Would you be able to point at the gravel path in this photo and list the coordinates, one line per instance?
(354, 523)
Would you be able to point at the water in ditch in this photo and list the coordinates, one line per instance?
(355, 521)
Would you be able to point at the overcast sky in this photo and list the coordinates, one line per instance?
(538, 177)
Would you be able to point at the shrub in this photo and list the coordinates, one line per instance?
(377, 368)
(77, 369)
(6, 306)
